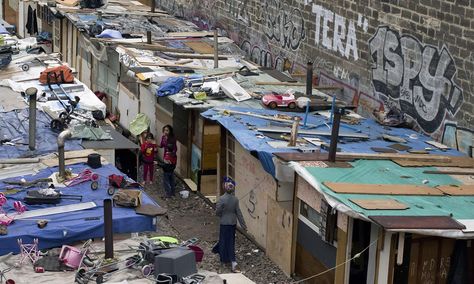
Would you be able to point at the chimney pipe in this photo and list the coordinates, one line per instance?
(309, 79)
(148, 37)
(62, 137)
(335, 134)
(31, 92)
(153, 6)
(216, 50)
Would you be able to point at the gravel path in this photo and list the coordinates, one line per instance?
(193, 217)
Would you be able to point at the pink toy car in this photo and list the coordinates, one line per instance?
(276, 100)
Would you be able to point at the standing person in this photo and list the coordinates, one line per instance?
(229, 212)
(168, 143)
(148, 150)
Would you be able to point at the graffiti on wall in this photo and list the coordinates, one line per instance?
(174, 7)
(344, 37)
(264, 57)
(282, 23)
(417, 78)
(238, 9)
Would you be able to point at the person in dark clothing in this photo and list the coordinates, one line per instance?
(228, 210)
(168, 143)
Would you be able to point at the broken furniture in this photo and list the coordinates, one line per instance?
(28, 251)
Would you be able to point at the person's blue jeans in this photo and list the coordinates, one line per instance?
(168, 183)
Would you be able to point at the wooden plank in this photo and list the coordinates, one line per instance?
(190, 184)
(393, 189)
(437, 145)
(432, 159)
(200, 47)
(457, 190)
(417, 222)
(190, 34)
(460, 162)
(312, 132)
(450, 172)
(379, 204)
(279, 227)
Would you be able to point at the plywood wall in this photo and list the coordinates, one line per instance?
(253, 187)
(279, 233)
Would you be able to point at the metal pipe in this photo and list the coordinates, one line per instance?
(32, 92)
(309, 79)
(335, 134)
(62, 137)
(108, 231)
(148, 37)
(216, 50)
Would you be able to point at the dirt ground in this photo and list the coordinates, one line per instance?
(194, 218)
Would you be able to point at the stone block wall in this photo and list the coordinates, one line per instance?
(415, 56)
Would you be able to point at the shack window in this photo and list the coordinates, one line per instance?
(310, 217)
(230, 156)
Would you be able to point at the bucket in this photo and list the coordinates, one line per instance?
(184, 194)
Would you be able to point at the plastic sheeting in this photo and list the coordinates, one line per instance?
(387, 172)
(139, 124)
(14, 126)
(238, 126)
(69, 227)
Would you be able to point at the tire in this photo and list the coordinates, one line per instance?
(147, 270)
(292, 105)
(272, 105)
(99, 279)
(25, 67)
(111, 190)
(94, 185)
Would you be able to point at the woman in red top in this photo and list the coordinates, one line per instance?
(148, 150)
(168, 143)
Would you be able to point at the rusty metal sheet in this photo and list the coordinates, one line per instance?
(418, 222)
(464, 189)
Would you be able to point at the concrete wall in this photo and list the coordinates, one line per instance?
(415, 56)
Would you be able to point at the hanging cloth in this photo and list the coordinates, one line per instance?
(31, 22)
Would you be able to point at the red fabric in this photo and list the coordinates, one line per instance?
(169, 153)
(148, 151)
(148, 170)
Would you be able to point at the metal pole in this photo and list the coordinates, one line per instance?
(108, 229)
(309, 79)
(148, 37)
(335, 134)
(31, 92)
(216, 50)
(62, 137)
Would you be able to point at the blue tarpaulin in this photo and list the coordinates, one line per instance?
(14, 126)
(248, 139)
(170, 87)
(72, 226)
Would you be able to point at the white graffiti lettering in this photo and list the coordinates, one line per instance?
(344, 39)
(418, 77)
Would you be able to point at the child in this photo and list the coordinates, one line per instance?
(168, 143)
(148, 150)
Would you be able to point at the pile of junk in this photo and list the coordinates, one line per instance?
(161, 259)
